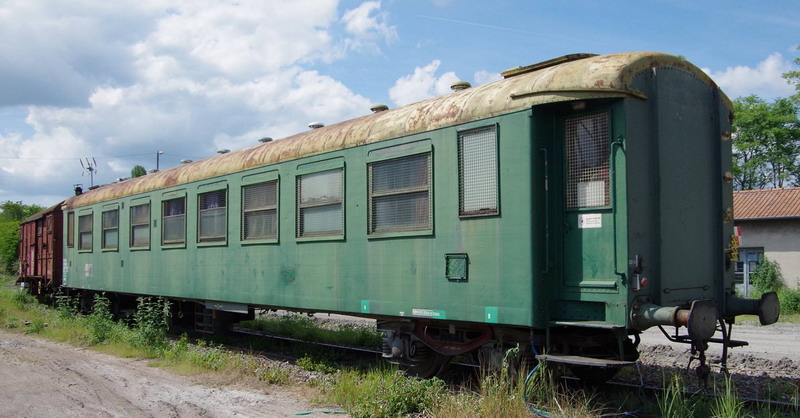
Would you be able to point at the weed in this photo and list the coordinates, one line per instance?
(672, 403)
(727, 403)
(315, 365)
(12, 322)
(67, 307)
(21, 299)
(152, 321)
(99, 323)
(272, 376)
(37, 325)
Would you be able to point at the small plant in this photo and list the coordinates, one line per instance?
(100, 322)
(727, 403)
(673, 403)
(272, 376)
(767, 277)
(67, 307)
(152, 321)
(790, 300)
(37, 325)
(21, 299)
(317, 366)
(12, 322)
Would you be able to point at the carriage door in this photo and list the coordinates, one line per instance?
(588, 223)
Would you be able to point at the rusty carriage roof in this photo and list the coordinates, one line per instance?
(575, 77)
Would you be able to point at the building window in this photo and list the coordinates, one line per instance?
(111, 229)
(319, 204)
(212, 221)
(260, 211)
(173, 223)
(140, 226)
(477, 172)
(749, 260)
(71, 229)
(85, 232)
(587, 155)
(399, 194)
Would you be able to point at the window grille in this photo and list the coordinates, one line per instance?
(399, 194)
(212, 219)
(587, 155)
(111, 229)
(173, 223)
(477, 171)
(140, 225)
(71, 229)
(319, 204)
(260, 211)
(85, 232)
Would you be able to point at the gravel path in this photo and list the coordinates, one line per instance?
(40, 378)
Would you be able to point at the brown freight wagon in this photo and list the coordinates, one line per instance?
(40, 250)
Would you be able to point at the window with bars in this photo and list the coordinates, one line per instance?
(320, 210)
(85, 232)
(477, 172)
(260, 211)
(140, 226)
(111, 229)
(399, 194)
(173, 222)
(71, 229)
(587, 156)
(212, 216)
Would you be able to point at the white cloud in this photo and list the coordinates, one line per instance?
(484, 77)
(365, 24)
(764, 80)
(422, 84)
(188, 80)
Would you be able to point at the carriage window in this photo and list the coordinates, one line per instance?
(399, 194)
(111, 229)
(212, 220)
(85, 232)
(587, 156)
(71, 229)
(319, 204)
(260, 211)
(477, 172)
(140, 226)
(173, 223)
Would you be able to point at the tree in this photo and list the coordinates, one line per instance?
(11, 214)
(766, 141)
(793, 77)
(138, 171)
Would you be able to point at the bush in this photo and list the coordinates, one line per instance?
(100, 323)
(767, 277)
(152, 321)
(790, 300)
(385, 393)
(9, 246)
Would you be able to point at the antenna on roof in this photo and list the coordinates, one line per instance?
(91, 168)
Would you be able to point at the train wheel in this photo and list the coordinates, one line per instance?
(423, 362)
(594, 375)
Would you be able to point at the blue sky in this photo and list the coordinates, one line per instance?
(121, 80)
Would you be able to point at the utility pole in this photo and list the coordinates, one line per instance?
(158, 156)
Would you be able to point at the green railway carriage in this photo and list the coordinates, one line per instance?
(568, 206)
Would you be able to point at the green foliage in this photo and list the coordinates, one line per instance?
(9, 246)
(315, 365)
(727, 403)
(790, 300)
(138, 171)
(793, 77)
(767, 277)
(766, 140)
(22, 299)
(384, 393)
(152, 322)
(17, 211)
(66, 307)
(100, 323)
(305, 328)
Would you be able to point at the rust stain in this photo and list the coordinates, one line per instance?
(588, 78)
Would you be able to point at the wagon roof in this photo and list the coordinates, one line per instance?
(590, 77)
(40, 214)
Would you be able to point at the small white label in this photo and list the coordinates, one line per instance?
(88, 270)
(590, 220)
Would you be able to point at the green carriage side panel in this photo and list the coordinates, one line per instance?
(400, 275)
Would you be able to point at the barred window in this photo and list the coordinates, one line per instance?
(140, 225)
(587, 155)
(173, 223)
(320, 204)
(111, 229)
(399, 194)
(212, 220)
(71, 229)
(260, 211)
(85, 232)
(477, 172)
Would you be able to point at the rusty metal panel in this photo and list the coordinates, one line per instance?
(600, 76)
(40, 249)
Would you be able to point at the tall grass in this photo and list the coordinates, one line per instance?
(304, 328)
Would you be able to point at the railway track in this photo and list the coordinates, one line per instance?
(461, 372)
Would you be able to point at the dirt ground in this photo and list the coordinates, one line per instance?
(40, 378)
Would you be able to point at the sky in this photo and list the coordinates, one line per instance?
(115, 82)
